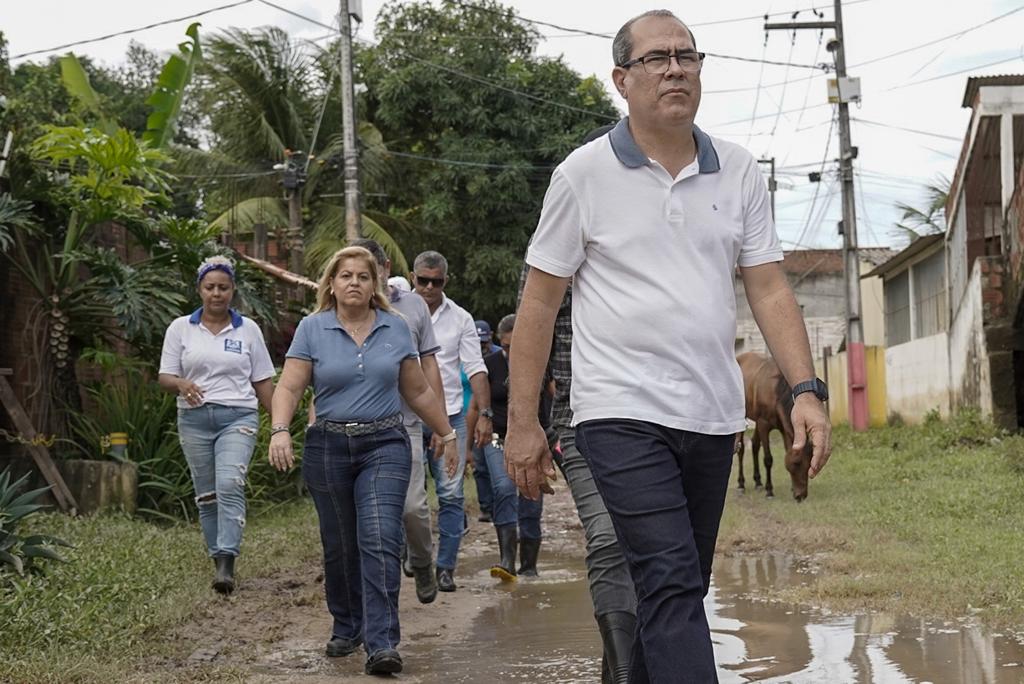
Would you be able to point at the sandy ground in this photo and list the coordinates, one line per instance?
(273, 629)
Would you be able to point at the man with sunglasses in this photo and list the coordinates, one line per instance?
(656, 394)
(456, 332)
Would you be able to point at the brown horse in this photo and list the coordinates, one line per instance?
(769, 404)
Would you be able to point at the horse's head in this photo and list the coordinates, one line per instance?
(798, 463)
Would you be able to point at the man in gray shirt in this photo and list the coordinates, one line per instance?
(417, 513)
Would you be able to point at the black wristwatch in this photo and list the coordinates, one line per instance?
(487, 413)
(816, 385)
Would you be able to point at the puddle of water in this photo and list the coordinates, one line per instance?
(544, 631)
(771, 642)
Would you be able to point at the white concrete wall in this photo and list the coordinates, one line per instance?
(970, 379)
(917, 377)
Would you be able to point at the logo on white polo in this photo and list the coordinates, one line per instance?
(233, 346)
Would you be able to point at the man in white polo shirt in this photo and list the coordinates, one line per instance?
(657, 396)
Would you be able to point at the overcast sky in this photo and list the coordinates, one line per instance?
(790, 122)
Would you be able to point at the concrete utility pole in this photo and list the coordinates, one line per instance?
(772, 184)
(856, 369)
(353, 217)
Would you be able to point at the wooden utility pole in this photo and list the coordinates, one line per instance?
(845, 91)
(353, 217)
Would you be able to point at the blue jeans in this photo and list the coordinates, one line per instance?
(482, 477)
(217, 442)
(665, 491)
(358, 485)
(509, 507)
(450, 499)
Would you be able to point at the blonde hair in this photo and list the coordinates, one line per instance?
(326, 301)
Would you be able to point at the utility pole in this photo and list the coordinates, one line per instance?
(846, 89)
(772, 184)
(293, 177)
(353, 217)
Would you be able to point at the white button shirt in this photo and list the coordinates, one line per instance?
(460, 344)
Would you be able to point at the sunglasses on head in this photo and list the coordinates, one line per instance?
(424, 281)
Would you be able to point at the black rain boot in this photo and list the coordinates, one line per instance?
(617, 633)
(508, 537)
(529, 549)
(224, 580)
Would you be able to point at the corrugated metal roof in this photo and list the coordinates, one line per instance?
(976, 82)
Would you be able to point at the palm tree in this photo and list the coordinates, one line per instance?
(266, 97)
(931, 220)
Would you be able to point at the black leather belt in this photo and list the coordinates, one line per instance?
(360, 429)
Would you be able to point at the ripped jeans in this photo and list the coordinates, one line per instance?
(218, 442)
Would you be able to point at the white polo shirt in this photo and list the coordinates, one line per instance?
(223, 363)
(653, 258)
(460, 344)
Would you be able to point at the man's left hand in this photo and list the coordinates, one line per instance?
(528, 459)
(484, 432)
(811, 420)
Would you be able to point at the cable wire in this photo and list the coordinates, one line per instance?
(937, 40)
(130, 31)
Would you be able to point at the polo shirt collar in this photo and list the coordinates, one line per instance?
(629, 153)
(197, 315)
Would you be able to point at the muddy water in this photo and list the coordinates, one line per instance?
(543, 631)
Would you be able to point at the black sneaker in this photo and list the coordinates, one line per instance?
(426, 585)
(339, 647)
(384, 661)
(445, 581)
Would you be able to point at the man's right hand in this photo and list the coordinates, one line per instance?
(528, 459)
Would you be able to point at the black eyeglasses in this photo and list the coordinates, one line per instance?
(659, 62)
(424, 281)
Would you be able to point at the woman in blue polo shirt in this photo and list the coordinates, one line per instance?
(360, 359)
(217, 363)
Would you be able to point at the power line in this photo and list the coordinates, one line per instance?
(957, 73)
(937, 40)
(908, 130)
(456, 72)
(130, 31)
(462, 162)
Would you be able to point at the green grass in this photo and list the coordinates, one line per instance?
(89, 620)
(922, 519)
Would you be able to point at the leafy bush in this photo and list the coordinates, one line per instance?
(16, 551)
(137, 406)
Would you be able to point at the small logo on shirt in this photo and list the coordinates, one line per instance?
(715, 207)
(387, 346)
(233, 346)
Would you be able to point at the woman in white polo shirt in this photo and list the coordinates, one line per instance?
(217, 363)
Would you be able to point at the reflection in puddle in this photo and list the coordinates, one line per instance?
(759, 641)
(544, 632)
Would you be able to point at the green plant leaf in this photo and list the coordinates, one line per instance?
(76, 82)
(166, 100)
(42, 552)
(12, 560)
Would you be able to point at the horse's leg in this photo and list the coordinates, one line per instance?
(755, 443)
(769, 491)
(741, 483)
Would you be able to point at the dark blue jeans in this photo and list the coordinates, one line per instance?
(665, 491)
(358, 485)
(508, 507)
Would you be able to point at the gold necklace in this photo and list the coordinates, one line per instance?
(354, 331)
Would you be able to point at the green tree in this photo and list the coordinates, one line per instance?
(267, 97)
(915, 222)
(438, 87)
